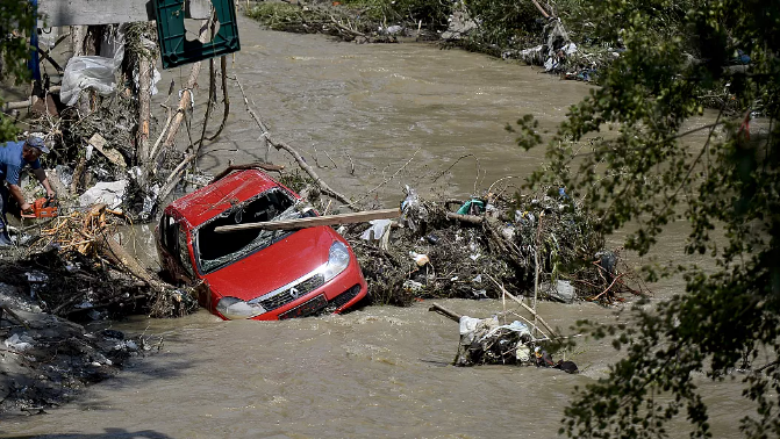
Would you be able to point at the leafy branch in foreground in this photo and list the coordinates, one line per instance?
(650, 174)
(15, 15)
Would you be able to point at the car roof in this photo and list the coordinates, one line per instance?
(209, 201)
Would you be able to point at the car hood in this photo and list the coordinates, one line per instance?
(275, 266)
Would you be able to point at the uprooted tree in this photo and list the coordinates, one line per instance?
(726, 187)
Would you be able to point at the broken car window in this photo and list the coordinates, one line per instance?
(213, 251)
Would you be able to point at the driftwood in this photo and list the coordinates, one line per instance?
(328, 220)
(527, 308)
(13, 315)
(144, 109)
(327, 190)
(113, 251)
(444, 311)
(541, 9)
(186, 95)
(209, 101)
(225, 98)
(471, 219)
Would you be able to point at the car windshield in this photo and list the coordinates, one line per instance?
(216, 250)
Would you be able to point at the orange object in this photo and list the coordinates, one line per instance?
(43, 208)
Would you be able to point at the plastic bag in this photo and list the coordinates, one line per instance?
(83, 72)
(376, 230)
(96, 72)
(414, 212)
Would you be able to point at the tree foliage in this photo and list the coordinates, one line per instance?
(16, 16)
(646, 172)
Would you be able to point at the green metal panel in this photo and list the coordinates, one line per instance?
(175, 48)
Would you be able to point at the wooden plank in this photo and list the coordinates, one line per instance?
(94, 12)
(328, 220)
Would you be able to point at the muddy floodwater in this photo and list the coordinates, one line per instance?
(361, 112)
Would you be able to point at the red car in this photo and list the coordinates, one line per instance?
(256, 274)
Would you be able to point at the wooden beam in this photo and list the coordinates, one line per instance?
(93, 12)
(327, 220)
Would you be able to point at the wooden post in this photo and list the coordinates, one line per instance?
(536, 268)
(144, 109)
(302, 223)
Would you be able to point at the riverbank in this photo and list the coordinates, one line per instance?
(47, 361)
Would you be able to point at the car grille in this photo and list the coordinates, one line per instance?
(292, 293)
(306, 309)
(344, 297)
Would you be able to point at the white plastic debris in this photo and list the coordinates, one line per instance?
(110, 193)
(376, 231)
(19, 343)
(569, 49)
(564, 291)
(36, 277)
(410, 285)
(391, 30)
(413, 210)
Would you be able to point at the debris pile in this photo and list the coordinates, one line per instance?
(453, 249)
(46, 359)
(77, 269)
(495, 340)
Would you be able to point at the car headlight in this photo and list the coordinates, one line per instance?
(234, 308)
(338, 260)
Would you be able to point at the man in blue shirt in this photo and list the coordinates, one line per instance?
(13, 157)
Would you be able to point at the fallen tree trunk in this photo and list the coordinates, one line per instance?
(445, 312)
(328, 220)
(113, 251)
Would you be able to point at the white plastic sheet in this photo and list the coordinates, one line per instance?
(95, 72)
(110, 193)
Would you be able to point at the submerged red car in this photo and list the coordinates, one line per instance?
(256, 274)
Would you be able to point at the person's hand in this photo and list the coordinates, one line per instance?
(50, 194)
(26, 206)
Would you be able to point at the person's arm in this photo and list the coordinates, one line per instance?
(12, 177)
(40, 174)
(16, 191)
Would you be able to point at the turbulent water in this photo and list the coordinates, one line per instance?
(362, 113)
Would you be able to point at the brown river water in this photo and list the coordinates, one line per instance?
(380, 371)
